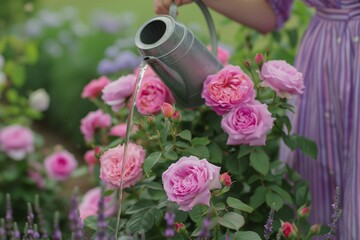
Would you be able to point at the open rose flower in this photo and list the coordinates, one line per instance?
(117, 92)
(94, 88)
(188, 182)
(111, 165)
(89, 205)
(60, 165)
(153, 93)
(16, 141)
(247, 123)
(282, 77)
(227, 88)
(92, 121)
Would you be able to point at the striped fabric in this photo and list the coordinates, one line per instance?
(329, 111)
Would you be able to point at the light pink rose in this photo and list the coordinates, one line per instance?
(92, 121)
(248, 123)
(90, 159)
(223, 55)
(37, 178)
(153, 93)
(117, 92)
(120, 130)
(16, 141)
(227, 88)
(94, 88)
(282, 77)
(89, 205)
(60, 165)
(111, 165)
(188, 182)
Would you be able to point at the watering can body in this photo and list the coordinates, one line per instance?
(180, 60)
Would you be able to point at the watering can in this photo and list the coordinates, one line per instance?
(180, 60)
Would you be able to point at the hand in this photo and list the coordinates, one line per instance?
(163, 6)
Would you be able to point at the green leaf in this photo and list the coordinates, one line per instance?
(200, 141)
(196, 214)
(216, 154)
(290, 141)
(274, 201)
(245, 150)
(181, 144)
(307, 146)
(80, 171)
(12, 96)
(258, 198)
(284, 194)
(231, 220)
(150, 162)
(286, 121)
(91, 222)
(31, 53)
(108, 192)
(246, 235)
(185, 134)
(140, 206)
(199, 151)
(171, 155)
(239, 205)
(260, 161)
(16, 73)
(143, 220)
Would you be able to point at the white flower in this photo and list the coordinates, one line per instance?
(39, 100)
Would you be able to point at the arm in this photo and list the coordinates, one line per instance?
(257, 14)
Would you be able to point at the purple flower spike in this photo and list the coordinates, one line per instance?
(205, 230)
(2, 229)
(337, 212)
(40, 217)
(269, 225)
(16, 233)
(101, 224)
(29, 233)
(170, 221)
(75, 222)
(9, 216)
(57, 232)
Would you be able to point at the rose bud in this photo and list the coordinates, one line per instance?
(167, 110)
(303, 211)
(315, 229)
(225, 179)
(288, 230)
(259, 59)
(179, 227)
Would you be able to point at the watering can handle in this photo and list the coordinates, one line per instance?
(208, 18)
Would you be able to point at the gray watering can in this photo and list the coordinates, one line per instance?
(180, 60)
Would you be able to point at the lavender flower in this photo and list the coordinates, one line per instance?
(170, 220)
(101, 224)
(40, 217)
(205, 230)
(29, 229)
(2, 229)
(16, 233)
(75, 222)
(57, 232)
(269, 225)
(36, 232)
(335, 216)
(9, 216)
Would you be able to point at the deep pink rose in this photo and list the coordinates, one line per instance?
(227, 88)
(92, 121)
(153, 93)
(120, 130)
(282, 77)
(111, 165)
(60, 165)
(188, 182)
(90, 204)
(94, 88)
(16, 141)
(248, 123)
(117, 92)
(223, 55)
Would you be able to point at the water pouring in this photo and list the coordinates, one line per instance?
(180, 60)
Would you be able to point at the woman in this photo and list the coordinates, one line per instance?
(328, 112)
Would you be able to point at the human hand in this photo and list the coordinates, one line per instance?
(163, 6)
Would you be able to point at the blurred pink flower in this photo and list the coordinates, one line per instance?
(227, 88)
(90, 204)
(111, 165)
(37, 178)
(120, 130)
(90, 159)
(153, 93)
(117, 92)
(60, 165)
(93, 121)
(94, 88)
(223, 55)
(247, 123)
(16, 141)
(282, 77)
(188, 182)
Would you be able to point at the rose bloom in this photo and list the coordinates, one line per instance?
(288, 230)
(39, 100)
(248, 123)
(120, 130)
(94, 88)
(223, 55)
(117, 92)
(16, 141)
(60, 165)
(153, 93)
(188, 182)
(89, 205)
(227, 88)
(282, 77)
(111, 165)
(93, 121)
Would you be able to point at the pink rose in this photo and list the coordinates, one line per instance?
(153, 93)
(223, 55)
(16, 141)
(227, 88)
(60, 165)
(117, 92)
(90, 159)
(248, 123)
(188, 182)
(111, 165)
(120, 130)
(89, 205)
(283, 78)
(92, 121)
(94, 88)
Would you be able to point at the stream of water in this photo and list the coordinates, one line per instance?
(129, 124)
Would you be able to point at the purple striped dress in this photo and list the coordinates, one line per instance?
(329, 110)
